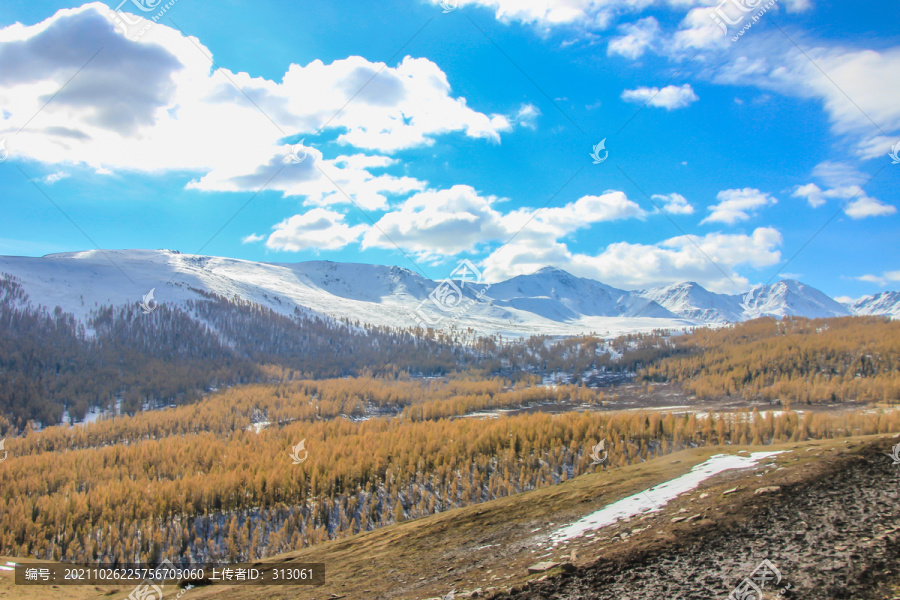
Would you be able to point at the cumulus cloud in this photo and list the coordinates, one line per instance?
(670, 97)
(737, 205)
(439, 222)
(845, 183)
(587, 210)
(252, 239)
(675, 204)
(712, 24)
(459, 219)
(317, 229)
(864, 206)
(634, 266)
(343, 180)
(635, 40)
(157, 105)
(813, 194)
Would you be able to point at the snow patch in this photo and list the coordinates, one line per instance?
(653, 499)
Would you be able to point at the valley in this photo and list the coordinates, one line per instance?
(183, 422)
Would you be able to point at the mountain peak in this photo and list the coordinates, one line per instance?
(551, 270)
(548, 301)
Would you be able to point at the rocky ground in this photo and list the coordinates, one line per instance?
(835, 533)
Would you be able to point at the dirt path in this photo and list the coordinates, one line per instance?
(836, 534)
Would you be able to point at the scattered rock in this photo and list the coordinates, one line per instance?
(731, 491)
(767, 490)
(704, 495)
(542, 567)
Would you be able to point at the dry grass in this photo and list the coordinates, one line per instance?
(488, 545)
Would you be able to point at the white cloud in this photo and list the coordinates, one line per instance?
(637, 38)
(811, 192)
(737, 205)
(157, 105)
(675, 204)
(586, 14)
(838, 174)
(697, 31)
(439, 222)
(865, 120)
(882, 279)
(54, 177)
(864, 206)
(450, 221)
(252, 239)
(563, 220)
(670, 97)
(634, 266)
(527, 116)
(845, 181)
(343, 180)
(318, 229)
(700, 30)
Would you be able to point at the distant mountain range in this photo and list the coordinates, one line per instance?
(549, 301)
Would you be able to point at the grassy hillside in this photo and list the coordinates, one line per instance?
(491, 545)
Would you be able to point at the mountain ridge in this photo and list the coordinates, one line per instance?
(549, 301)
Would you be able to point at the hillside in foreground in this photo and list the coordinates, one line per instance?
(824, 513)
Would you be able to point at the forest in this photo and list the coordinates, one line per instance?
(54, 368)
(202, 404)
(214, 480)
(851, 359)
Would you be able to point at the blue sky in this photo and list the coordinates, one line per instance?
(431, 136)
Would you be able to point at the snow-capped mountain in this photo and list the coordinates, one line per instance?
(786, 298)
(790, 298)
(556, 294)
(549, 301)
(884, 303)
(690, 300)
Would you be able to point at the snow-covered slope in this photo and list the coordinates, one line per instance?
(790, 298)
(379, 295)
(558, 295)
(884, 303)
(690, 300)
(549, 301)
